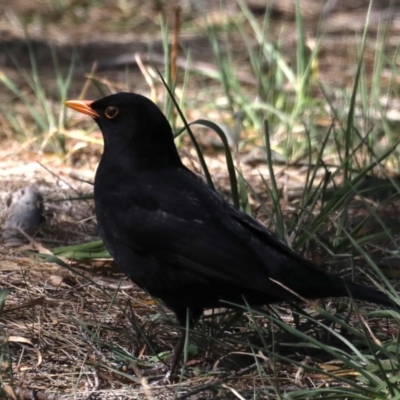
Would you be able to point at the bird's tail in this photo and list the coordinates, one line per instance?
(366, 293)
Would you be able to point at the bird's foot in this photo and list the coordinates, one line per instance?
(167, 380)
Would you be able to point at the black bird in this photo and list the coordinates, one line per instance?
(178, 239)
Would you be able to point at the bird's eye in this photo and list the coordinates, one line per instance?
(111, 112)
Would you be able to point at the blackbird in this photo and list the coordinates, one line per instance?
(178, 239)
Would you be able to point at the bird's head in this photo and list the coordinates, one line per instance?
(132, 123)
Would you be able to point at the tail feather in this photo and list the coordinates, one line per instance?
(366, 293)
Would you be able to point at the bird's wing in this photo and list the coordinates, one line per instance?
(177, 219)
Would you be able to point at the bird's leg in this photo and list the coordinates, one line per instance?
(186, 319)
(176, 357)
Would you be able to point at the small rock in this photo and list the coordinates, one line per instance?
(25, 212)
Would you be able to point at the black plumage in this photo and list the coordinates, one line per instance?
(178, 239)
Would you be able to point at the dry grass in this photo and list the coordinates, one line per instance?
(66, 335)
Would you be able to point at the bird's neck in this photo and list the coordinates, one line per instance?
(142, 156)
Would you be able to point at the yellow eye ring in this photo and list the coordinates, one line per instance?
(111, 112)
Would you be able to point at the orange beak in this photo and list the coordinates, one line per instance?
(82, 106)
